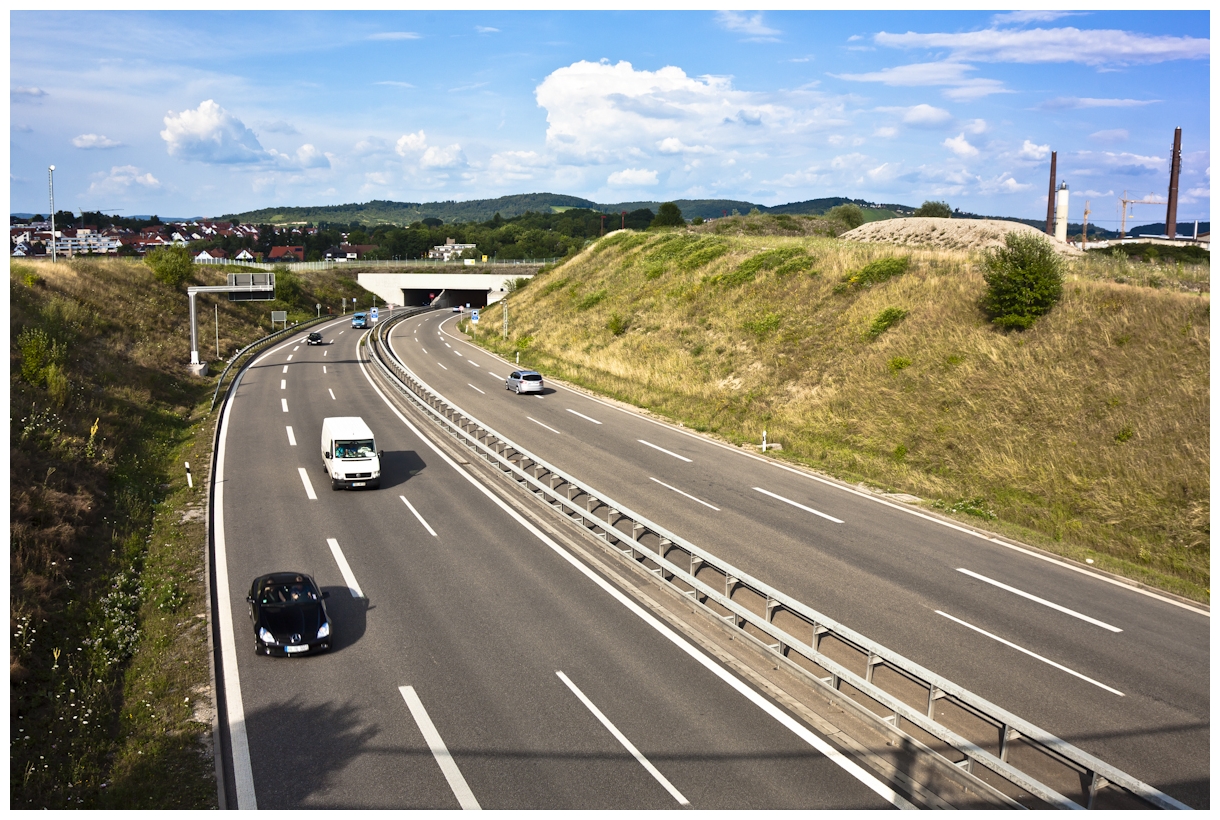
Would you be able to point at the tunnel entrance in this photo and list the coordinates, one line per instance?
(446, 298)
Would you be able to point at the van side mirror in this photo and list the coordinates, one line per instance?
(325, 594)
(380, 453)
(326, 455)
(249, 599)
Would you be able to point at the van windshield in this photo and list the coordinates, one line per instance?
(359, 448)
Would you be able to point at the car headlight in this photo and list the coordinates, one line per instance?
(324, 630)
(265, 636)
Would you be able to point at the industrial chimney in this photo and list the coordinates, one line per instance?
(1061, 213)
(1050, 200)
(1175, 168)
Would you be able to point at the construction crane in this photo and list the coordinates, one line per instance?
(1122, 231)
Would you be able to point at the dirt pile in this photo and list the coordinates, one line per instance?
(951, 234)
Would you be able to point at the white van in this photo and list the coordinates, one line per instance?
(350, 454)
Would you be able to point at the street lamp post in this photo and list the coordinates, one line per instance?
(51, 185)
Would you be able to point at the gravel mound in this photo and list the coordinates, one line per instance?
(953, 234)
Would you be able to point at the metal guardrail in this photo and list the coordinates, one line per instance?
(1004, 752)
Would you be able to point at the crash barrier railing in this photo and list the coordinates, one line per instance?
(986, 741)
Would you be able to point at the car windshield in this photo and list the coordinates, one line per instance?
(360, 448)
(296, 591)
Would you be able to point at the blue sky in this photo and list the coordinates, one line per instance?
(203, 113)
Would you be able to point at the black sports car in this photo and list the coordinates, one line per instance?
(314, 338)
(288, 614)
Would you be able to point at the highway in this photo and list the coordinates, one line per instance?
(1119, 672)
(476, 662)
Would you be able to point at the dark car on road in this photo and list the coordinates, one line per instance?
(314, 338)
(288, 614)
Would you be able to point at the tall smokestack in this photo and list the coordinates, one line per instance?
(1061, 214)
(1050, 199)
(1175, 168)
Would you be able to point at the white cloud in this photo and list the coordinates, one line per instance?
(922, 115)
(632, 177)
(306, 156)
(960, 146)
(279, 127)
(411, 143)
(1011, 186)
(94, 141)
(442, 158)
(883, 172)
(886, 132)
(1093, 102)
(598, 112)
(976, 127)
(1110, 135)
(26, 91)
(395, 35)
(122, 179)
(751, 25)
(950, 73)
(1056, 45)
(1031, 151)
(486, 29)
(846, 161)
(212, 135)
(1020, 17)
(395, 83)
(516, 165)
(673, 145)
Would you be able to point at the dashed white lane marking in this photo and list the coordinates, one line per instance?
(324, 352)
(417, 515)
(448, 345)
(285, 368)
(1042, 601)
(1031, 654)
(457, 783)
(583, 416)
(679, 492)
(284, 404)
(292, 440)
(494, 376)
(442, 367)
(421, 347)
(341, 332)
(799, 506)
(540, 424)
(472, 387)
(472, 361)
(289, 358)
(662, 449)
(324, 369)
(352, 586)
(309, 493)
(627, 744)
(295, 349)
(283, 384)
(332, 393)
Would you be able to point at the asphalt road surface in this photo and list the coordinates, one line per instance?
(1119, 672)
(476, 663)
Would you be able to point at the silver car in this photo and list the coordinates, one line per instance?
(524, 381)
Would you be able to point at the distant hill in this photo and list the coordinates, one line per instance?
(385, 212)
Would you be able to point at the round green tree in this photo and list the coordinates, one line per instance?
(668, 216)
(171, 264)
(848, 213)
(1024, 280)
(930, 208)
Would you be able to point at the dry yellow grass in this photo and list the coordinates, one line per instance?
(1088, 434)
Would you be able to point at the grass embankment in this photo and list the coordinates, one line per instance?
(1087, 435)
(110, 698)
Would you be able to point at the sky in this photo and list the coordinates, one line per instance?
(206, 113)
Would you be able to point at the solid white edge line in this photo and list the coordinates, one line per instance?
(662, 449)
(239, 743)
(411, 507)
(679, 492)
(1036, 599)
(309, 493)
(1034, 655)
(468, 384)
(622, 738)
(284, 404)
(540, 424)
(799, 506)
(583, 416)
(791, 724)
(1126, 585)
(436, 745)
(292, 439)
(344, 567)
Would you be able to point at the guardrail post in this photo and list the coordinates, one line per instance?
(1007, 733)
(663, 547)
(1097, 784)
(934, 695)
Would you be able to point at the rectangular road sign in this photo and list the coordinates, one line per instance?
(474, 316)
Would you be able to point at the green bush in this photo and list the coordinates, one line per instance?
(878, 271)
(592, 299)
(930, 208)
(617, 325)
(287, 286)
(849, 214)
(39, 355)
(170, 265)
(899, 363)
(885, 320)
(763, 326)
(781, 260)
(1024, 281)
(514, 285)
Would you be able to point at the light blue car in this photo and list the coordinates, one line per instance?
(360, 320)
